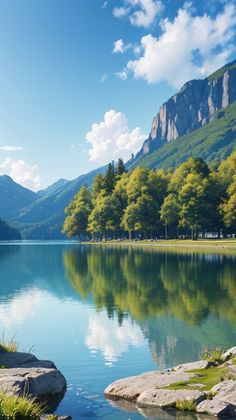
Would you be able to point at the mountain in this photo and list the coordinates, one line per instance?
(56, 187)
(192, 108)
(44, 217)
(212, 142)
(13, 197)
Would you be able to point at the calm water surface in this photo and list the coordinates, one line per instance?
(102, 313)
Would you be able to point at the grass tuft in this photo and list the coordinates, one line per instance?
(185, 405)
(9, 346)
(214, 356)
(14, 407)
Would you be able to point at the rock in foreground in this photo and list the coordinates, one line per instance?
(24, 374)
(161, 390)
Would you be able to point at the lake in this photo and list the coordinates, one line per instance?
(106, 312)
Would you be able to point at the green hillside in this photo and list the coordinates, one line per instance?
(212, 142)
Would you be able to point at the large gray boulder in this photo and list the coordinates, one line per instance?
(23, 373)
(130, 388)
(165, 398)
(38, 382)
(18, 359)
(215, 408)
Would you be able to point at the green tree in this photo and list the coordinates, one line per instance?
(78, 211)
(110, 178)
(120, 168)
(228, 207)
(193, 201)
(105, 217)
(169, 213)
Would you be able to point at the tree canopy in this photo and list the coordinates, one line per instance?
(150, 203)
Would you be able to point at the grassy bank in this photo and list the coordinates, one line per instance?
(224, 246)
(202, 243)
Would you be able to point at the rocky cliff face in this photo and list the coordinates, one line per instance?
(195, 105)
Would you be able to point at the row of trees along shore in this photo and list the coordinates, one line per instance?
(147, 203)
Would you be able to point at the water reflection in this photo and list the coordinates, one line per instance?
(182, 302)
(112, 340)
(145, 283)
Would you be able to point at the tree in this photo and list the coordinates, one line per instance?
(110, 178)
(228, 207)
(169, 213)
(120, 168)
(78, 211)
(193, 203)
(105, 216)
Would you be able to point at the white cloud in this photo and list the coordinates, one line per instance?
(111, 138)
(171, 56)
(19, 308)
(141, 13)
(21, 172)
(123, 75)
(111, 341)
(119, 12)
(8, 148)
(118, 46)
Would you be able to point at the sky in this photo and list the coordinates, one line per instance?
(81, 80)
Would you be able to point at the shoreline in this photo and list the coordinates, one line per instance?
(201, 244)
(206, 386)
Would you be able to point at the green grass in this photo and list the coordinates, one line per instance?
(9, 346)
(185, 405)
(206, 377)
(219, 73)
(214, 356)
(212, 142)
(14, 408)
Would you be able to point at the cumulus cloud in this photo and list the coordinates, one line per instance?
(21, 172)
(118, 46)
(111, 138)
(172, 56)
(8, 148)
(111, 341)
(141, 13)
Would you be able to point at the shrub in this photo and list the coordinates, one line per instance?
(186, 405)
(214, 356)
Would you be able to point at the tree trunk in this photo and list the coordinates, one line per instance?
(166, 231)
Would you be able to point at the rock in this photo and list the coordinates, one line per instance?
(223, 403)
(47, 364)
(195, 105)
(40, 382)
(229, 353)
(226, 391)
(18, 359)
(130, 388)
(199, 364)
(15, 359)
(165, 398)
(215, 407)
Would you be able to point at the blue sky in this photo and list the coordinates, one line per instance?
(81, 80)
